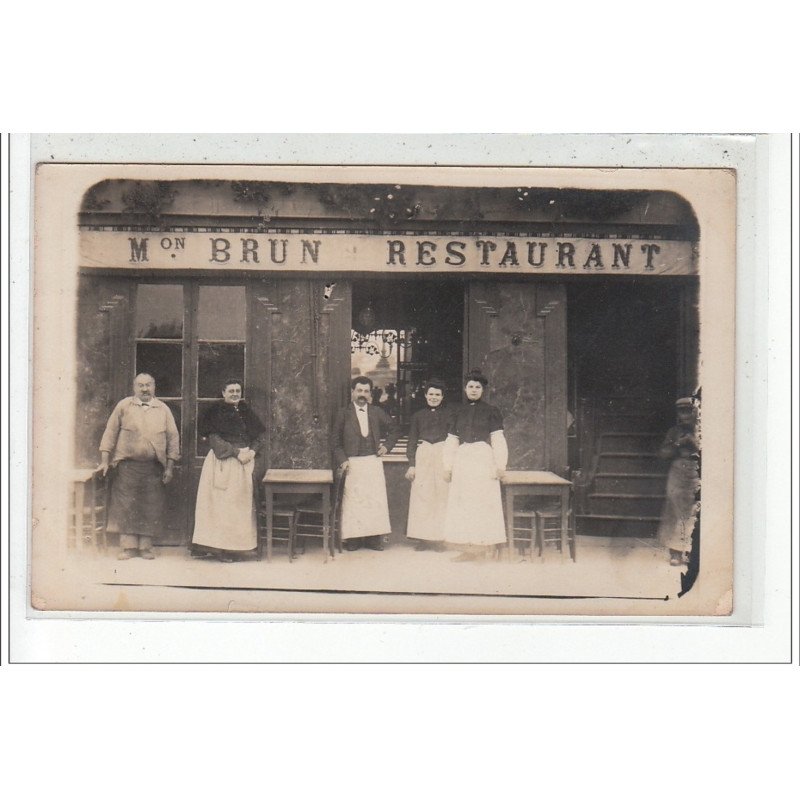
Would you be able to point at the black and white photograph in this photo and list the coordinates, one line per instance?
(383, 390)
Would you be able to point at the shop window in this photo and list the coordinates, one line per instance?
(221, 334)
(159, 337)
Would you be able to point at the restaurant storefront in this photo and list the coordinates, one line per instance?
(579, 306)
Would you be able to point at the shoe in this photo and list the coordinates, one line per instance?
(148, 555)
(421, 545)
(225, 559)
(466, 557)
(374, 543)
(351, 544)
(124, 555)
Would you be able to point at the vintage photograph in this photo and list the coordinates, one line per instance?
(394, 390)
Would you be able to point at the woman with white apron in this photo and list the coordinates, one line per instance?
(475, 456)
(225, 513)
(427, 506)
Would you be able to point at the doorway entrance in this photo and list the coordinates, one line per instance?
(403, 333)
(191, 336)
(630, 357)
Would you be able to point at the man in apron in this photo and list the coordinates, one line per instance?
(362, 434)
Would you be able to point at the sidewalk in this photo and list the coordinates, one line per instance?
(611, 576)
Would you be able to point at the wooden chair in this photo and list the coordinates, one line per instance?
(548, 532)
(524, 530)
(89, 511)
(284, 527)
(310, 520)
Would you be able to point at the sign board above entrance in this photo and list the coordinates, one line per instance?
(333, 252)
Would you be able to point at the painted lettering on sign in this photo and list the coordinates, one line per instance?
(198, 250)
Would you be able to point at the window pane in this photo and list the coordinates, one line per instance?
(164, 361)
(216, 364)
(159, 311)
(221, 313)
(175, 408)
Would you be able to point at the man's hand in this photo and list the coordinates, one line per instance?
(411, 473)
(245, 455)
(343, 467)
(499, 474)
(167, 476)
(103, 465)
(382, 451)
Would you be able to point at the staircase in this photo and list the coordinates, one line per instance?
(623, 491)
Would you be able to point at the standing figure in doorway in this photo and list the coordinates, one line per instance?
(682, 448)
(361, 434)
(475, 458)
(429, 489)
(140, 444)
(225, 513)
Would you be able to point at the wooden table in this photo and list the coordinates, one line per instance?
(299, 481)
(533, 483)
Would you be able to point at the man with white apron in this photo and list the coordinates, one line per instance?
(362, 434)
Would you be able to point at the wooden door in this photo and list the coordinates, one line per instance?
(516, 334)
(191, 336)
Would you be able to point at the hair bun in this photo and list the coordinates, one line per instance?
(476, 375)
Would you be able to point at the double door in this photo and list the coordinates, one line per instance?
(192, 336)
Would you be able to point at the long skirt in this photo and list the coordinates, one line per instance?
(680, 508)
(429, 491)
(137, 498)
(365, 506)
(225, 514)
(474, 506)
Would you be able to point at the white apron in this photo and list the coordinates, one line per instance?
(429, 490)
(225, 514)
(365, 507)
(474, 506)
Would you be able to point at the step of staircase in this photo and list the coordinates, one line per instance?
(628, 505)
(630, 442)
(630, 482)
(616, 461)
(616, 525)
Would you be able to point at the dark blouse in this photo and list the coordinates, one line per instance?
(475, 422)
(229, 427)
(428, 425)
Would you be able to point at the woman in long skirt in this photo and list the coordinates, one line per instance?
(681, 447)
(475, 457)
(429, 489)
(225, 514)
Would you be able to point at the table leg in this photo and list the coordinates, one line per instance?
(510, 521)
(79, 514)
(564, 520)
(268, 505)
(326, 522)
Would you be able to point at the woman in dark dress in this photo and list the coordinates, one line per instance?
(429, 488)
(225, 514)
(476, 455)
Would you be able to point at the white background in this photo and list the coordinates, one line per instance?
(392, 731)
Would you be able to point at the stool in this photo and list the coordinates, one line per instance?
(548, 531)
(284, 524)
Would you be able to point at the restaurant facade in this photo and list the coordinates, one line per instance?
(579, 305)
